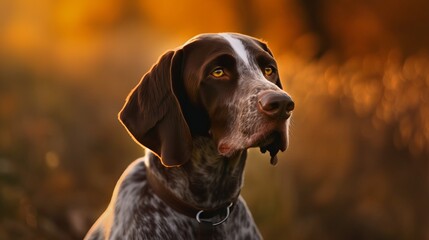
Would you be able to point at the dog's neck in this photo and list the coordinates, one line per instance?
(207, 180)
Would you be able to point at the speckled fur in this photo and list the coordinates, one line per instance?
(209, 179)
(136, 213)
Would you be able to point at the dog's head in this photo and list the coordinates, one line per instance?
(224, 86)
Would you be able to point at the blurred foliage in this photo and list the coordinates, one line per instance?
(358, 163)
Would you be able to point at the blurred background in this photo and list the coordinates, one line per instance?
(358, 162)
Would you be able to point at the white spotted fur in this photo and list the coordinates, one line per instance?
(127, 216)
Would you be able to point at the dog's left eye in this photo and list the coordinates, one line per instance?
(218, 72)
(268, 71)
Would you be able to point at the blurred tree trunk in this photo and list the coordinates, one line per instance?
(313, 11)
(245, 10)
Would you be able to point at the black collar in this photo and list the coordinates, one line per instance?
(213, 217)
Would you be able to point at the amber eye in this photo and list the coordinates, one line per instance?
(268, 71)
(218, 72)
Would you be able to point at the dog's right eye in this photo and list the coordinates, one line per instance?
(268, 71)
(218, 72)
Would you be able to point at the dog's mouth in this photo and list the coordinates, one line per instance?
(273, 143)
(271, 140)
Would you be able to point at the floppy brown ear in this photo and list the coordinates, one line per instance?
(152, 114)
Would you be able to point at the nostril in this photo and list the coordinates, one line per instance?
(290, 106)
(269, 106)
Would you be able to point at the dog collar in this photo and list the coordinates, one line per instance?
(212, 217)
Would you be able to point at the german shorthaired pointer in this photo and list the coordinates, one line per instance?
(198, 110)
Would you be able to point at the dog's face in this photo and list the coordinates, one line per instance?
(227, 75)
(223, 86)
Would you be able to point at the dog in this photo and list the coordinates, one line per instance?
(197, 111)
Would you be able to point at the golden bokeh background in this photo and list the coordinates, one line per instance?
(358, 162)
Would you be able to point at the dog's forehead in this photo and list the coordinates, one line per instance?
(238, 47)
(237, 44)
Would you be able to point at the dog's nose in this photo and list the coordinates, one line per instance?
(275, 104)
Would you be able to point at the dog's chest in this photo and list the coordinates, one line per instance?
(139, 213)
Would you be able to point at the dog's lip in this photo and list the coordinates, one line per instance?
(271, 139)
(265, 138)
(275, 139)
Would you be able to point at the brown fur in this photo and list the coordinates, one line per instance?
(198, 128)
